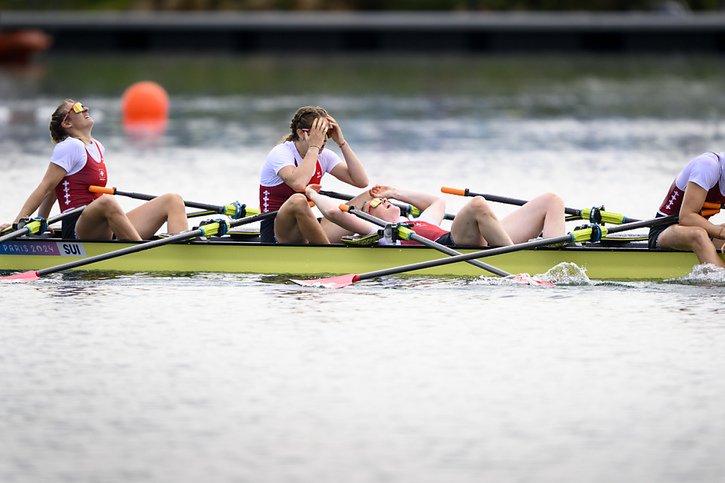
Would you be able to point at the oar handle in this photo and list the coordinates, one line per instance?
(38, 225)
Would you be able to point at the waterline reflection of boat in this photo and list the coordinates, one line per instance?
(623, 261)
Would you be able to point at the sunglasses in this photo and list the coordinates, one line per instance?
(77, 107)
(374, 203)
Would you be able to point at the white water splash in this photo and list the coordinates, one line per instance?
(704, 274)
(565, 273)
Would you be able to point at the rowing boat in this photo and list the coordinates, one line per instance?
(620, 261)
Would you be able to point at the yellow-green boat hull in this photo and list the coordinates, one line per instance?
(633, 262)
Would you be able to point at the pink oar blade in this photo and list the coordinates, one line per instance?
(526, 279)
(25, 276)
(340, 281)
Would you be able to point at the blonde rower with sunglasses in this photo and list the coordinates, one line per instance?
(301, 159)
(475, 224)
(78, 161)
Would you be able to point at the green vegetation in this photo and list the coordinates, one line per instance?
(365, 5)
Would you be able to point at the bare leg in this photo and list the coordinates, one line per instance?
(476, 224)
(149, 217)
(104, 217)
(691, 238)
(334, 232)
(545, 213)
(296, 223)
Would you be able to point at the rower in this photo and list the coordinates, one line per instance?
(695, 195)
(299, 160)
(78, 162)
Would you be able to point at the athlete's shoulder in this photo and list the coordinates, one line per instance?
(68, 147)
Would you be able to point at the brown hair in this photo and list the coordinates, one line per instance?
(303, 119)
(58, 132)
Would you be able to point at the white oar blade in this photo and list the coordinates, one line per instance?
(331, 282)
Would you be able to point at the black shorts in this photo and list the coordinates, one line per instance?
(266, 230)
(656, 231)
(446, 240)
(68, 228)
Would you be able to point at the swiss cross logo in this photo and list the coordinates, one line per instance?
(672, 200)
(66, 190)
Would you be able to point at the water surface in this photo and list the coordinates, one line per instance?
(245, 378)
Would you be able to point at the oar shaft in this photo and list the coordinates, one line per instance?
(594, 215)
(501, 250)
(430, 243)
(405, 208)
(147, 245)
(25, 230)
(500, 199)
(143, 196)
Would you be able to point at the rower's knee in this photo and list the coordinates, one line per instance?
(108, 206)
(172, 201)
(697, 238)
(297, 204)
(553, 201)
(481, 207)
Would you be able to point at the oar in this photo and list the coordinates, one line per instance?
(232, 210)
(39, 225)
(218, 227)
(406, 209)
(594, 214)
(586, 234)
(406, 233)
(196, 214)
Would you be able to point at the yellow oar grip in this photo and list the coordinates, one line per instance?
(101, 189)
(405, 233)
(33, 227)
(453, 191)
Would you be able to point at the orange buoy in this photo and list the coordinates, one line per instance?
(145, 107)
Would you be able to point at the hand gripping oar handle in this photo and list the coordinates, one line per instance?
(405, 208)
(576, 235)
(594, 214)
(408, 234)
(217, 227)
(38, 225)
(233, 210)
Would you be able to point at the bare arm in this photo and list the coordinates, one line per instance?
(690, 210)
(330, 209)
(352, 171)
(47, 205)
(433, 206)
(43, 191)
(297, 177)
